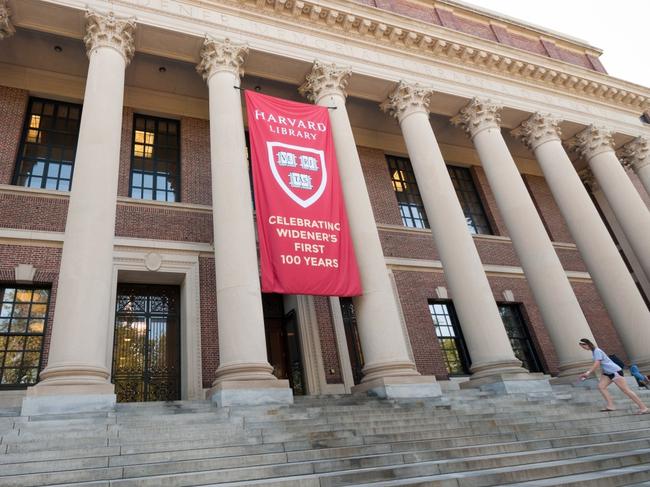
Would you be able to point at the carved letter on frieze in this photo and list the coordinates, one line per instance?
(538, 129)
(592, 141)
(325, 79)
(221, 56)
(6, 27)
(110, 31)
(477, 116)
(406, 99)
(635, 154)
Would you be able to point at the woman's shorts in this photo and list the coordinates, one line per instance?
(611, 376)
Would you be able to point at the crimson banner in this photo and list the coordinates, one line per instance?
(305, 244)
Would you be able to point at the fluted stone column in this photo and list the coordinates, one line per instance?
(389, 370)
(597, 147)
(541, 133)
(636, 154)
(546, 278)
(493, 361)
(76, 369)
(244, 374)
(6, 27)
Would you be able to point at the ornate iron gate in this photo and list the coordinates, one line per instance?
(146, 347)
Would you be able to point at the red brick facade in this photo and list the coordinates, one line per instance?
(13, 106)
(33, 210)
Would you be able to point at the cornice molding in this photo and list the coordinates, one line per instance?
(478, 115)
(325, 79)
(218, 56)
(407, 99)
(635, 154)
(6, 27)
(538, 129)
(420, 38)
(110, 31)
(592, 141)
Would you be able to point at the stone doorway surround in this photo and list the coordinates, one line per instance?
(161, 266)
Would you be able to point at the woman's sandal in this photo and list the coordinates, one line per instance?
(643, 411)
(605, 410)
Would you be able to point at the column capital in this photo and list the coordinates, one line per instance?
(592, 141)
(477, 116)
(588, 179)
(110, 31)
(406, 99)
(538, 129)
(325, 79)
(6, 27)
(219, 56)
(635, 154)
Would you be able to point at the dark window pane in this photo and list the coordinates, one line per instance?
(21, 334)
(407, 192)
(450, 338)
(469, 200)
(520, 340)
(155, 159)
(49, 139)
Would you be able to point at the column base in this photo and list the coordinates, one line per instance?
(66, 399)
(510, 383)
(251, 393)
(400, 387)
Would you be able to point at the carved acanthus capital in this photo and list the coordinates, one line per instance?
(635, 154)
(477, 116)
(538, 129)
(110, 31)
(219, 56)
(588, 179)
(592, 141)
(6, 27)
(325, 79)
(406, 99)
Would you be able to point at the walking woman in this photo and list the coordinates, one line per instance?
(611, 373)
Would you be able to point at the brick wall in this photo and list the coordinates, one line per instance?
(159, 223)
(209, 331)
(125, 152)
(13, 106)
(195, 161)
(46, 260)
(547, 208)
(327, 337)
(33, 212)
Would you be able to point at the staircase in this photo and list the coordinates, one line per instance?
(465, 439)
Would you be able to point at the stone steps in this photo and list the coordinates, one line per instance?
(475, 439)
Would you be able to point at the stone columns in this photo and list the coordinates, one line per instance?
(489, 348)
(597, 147)
(77, 360)
(389, 370)
(6, 27)
(636, 154)
(618, 291)
(244, 374)
(547, 279)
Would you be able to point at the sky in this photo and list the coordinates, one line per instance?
(618, 27)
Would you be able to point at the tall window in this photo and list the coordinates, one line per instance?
(411, 205)
(48, 147)
(469, 200)
(519, 337)
(22, 326)
(407, 192)
(155, 166)
(450, 337)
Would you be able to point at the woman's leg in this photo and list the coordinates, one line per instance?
(622, 385)
(603, 383)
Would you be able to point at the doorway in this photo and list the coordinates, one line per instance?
(147, 344)
(283, 342)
